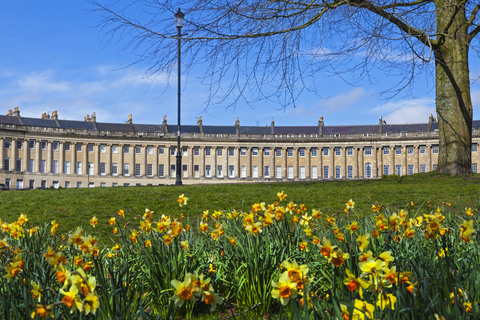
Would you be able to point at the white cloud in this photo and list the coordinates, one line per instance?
(406, 111)
(344, 100)
(42, 82)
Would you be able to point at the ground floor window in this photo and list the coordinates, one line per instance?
(368, 170)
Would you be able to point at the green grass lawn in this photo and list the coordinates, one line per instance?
(74, 207)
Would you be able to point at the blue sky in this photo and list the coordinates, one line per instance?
(51, 58)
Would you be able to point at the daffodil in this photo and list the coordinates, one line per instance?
(182, 200)
(326, 248)
(284, 289)
(93, 221)
(282, 196)
(212, 299)
(91, 303)
(363, 241)
(363, 310)
(338, 257)
(254, 228)
(183, 291)
(350, 204)
(386, 300)
(371, 265)
(76, 237)
(36, 291)
(294, 270)
(355, 284)
(72, 299)
(387, 257)
(44, 311)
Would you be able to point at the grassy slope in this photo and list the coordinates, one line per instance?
(75, 207)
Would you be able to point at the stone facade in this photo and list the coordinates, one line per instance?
(65, 153)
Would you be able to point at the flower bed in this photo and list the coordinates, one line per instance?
(280, 260)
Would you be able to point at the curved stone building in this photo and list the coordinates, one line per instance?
(49, 152)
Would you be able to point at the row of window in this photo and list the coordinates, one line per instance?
(208, 169)
(231, 151)
(231, 174)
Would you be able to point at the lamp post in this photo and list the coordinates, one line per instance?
(179, 24)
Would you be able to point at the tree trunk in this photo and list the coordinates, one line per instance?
(453, 100)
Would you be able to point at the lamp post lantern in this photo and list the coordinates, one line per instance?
(179, 24)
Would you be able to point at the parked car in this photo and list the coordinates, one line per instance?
(3, 187)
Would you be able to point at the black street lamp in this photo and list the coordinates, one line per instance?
(179, 24)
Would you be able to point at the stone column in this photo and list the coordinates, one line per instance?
(121, 156)
(155, 161)
(73, 157)
(343, 161)
(380, 161)
(361, 165)
(260, 162)
(296, 165)
(13, 154)
(2, 153)
(214, 160)
(416, 159)
(404, 160)
(392, 159)
(108, 164)
(168, 171)
(143, 166)
(25, 156)
(132, 160)
(85, 159)
(374, 164)
(285, 167)
(190, 161)
(320, 163)
(308, 166)
(428, 151)
(202, 162)
(355, 162)
(332, 163)
(238, 163)
(61, 156)
(225, 162)
(96, 159)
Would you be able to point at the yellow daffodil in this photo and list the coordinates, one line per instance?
(183, 291)
(338, 257)
(386, 300)
(121, 213)
(44, 311)
(282, 196)
(387, 257)
(182, 200)
(254, 228)
(112, 221)
(326, 248)
(72, 299)
(295, 271)
(303, 245)
(371, 265)
(284, 289)
(363, 310)
(355, 284)
(91, 303)
(212, 299)
(363, 242)
(36, 291)
(350, 204)
(93, 221)
(203, 227)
